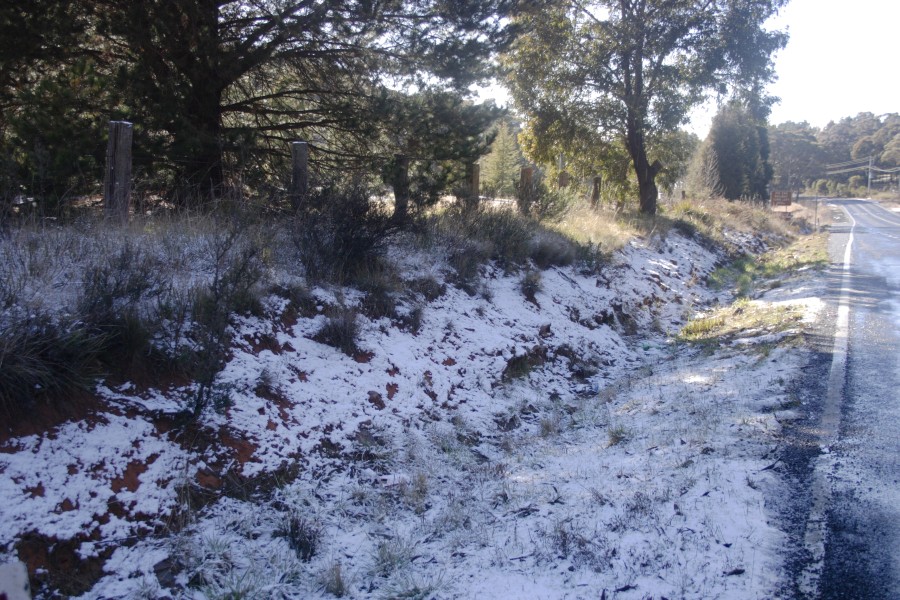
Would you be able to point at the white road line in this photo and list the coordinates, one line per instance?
(816, 523)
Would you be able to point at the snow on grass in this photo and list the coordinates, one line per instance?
(508, 448)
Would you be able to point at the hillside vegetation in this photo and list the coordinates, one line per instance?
(232, 407)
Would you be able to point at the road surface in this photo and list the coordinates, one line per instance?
(846, 460)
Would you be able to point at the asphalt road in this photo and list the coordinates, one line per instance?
(848, 476)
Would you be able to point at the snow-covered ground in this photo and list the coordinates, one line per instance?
(560, 447)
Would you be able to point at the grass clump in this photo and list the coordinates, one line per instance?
(743, 318)
(747, 274)
(340, 331)
(617, 435)
(41, 359)
(303, 536)
(333, 581)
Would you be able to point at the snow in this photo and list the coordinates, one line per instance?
(427, 466)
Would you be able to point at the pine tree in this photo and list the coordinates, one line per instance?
(741, 146)
(217, 89)
(501, 167)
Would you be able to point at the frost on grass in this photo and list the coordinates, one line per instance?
(516, 442)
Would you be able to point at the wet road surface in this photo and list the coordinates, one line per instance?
(851, 537)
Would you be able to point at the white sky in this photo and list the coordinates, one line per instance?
(841, 60)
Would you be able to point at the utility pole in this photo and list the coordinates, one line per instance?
(869, 185)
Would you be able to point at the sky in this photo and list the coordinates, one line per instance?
(840, 61)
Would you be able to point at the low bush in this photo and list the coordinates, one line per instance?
(381, 286)
(552, 249)
(340, 331)
(543, 202)
(114, 303)
(531, 285)
(342, 233)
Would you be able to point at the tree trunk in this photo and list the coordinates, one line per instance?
(646, 172)
(400, 183)
(202, 173)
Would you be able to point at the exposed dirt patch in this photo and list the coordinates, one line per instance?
(55, 564)
(376, 400)
(265, 341)
(130, 478)
(45, 415)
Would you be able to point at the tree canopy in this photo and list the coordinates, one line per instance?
(740, 143)
(802, 154)
(500, 168)
(605, 73)
(216, 88)
(796, 157)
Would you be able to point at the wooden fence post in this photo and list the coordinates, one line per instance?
(475, 180)
(400, 183)
(299, 174)
(526, 177)
(117, 183)
(595, 191)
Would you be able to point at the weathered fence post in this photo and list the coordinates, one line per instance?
(299, 173)
(526, 177)
(526, 192)
(475, 180)
(400, 183)
(117, 183)
(595, 191)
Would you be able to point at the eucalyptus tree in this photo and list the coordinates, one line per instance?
(607, 73)
(796, 157)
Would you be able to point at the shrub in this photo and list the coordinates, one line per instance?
(480, 234)
(543, 203)
(340, 331)
(341, 233)
(552, 249)
(115, 299)
(237, 269)
(429, 287)
(118, 284)
(531, 285)
(412, 321)
(380, 286)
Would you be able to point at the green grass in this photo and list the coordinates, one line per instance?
(749, 274)
(741, 318)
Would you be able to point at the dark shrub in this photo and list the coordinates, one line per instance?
(342, 233)
(340, 331)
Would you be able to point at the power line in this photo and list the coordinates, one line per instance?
(852, 170)
(861, 161)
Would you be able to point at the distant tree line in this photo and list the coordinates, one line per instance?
(802, 153)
